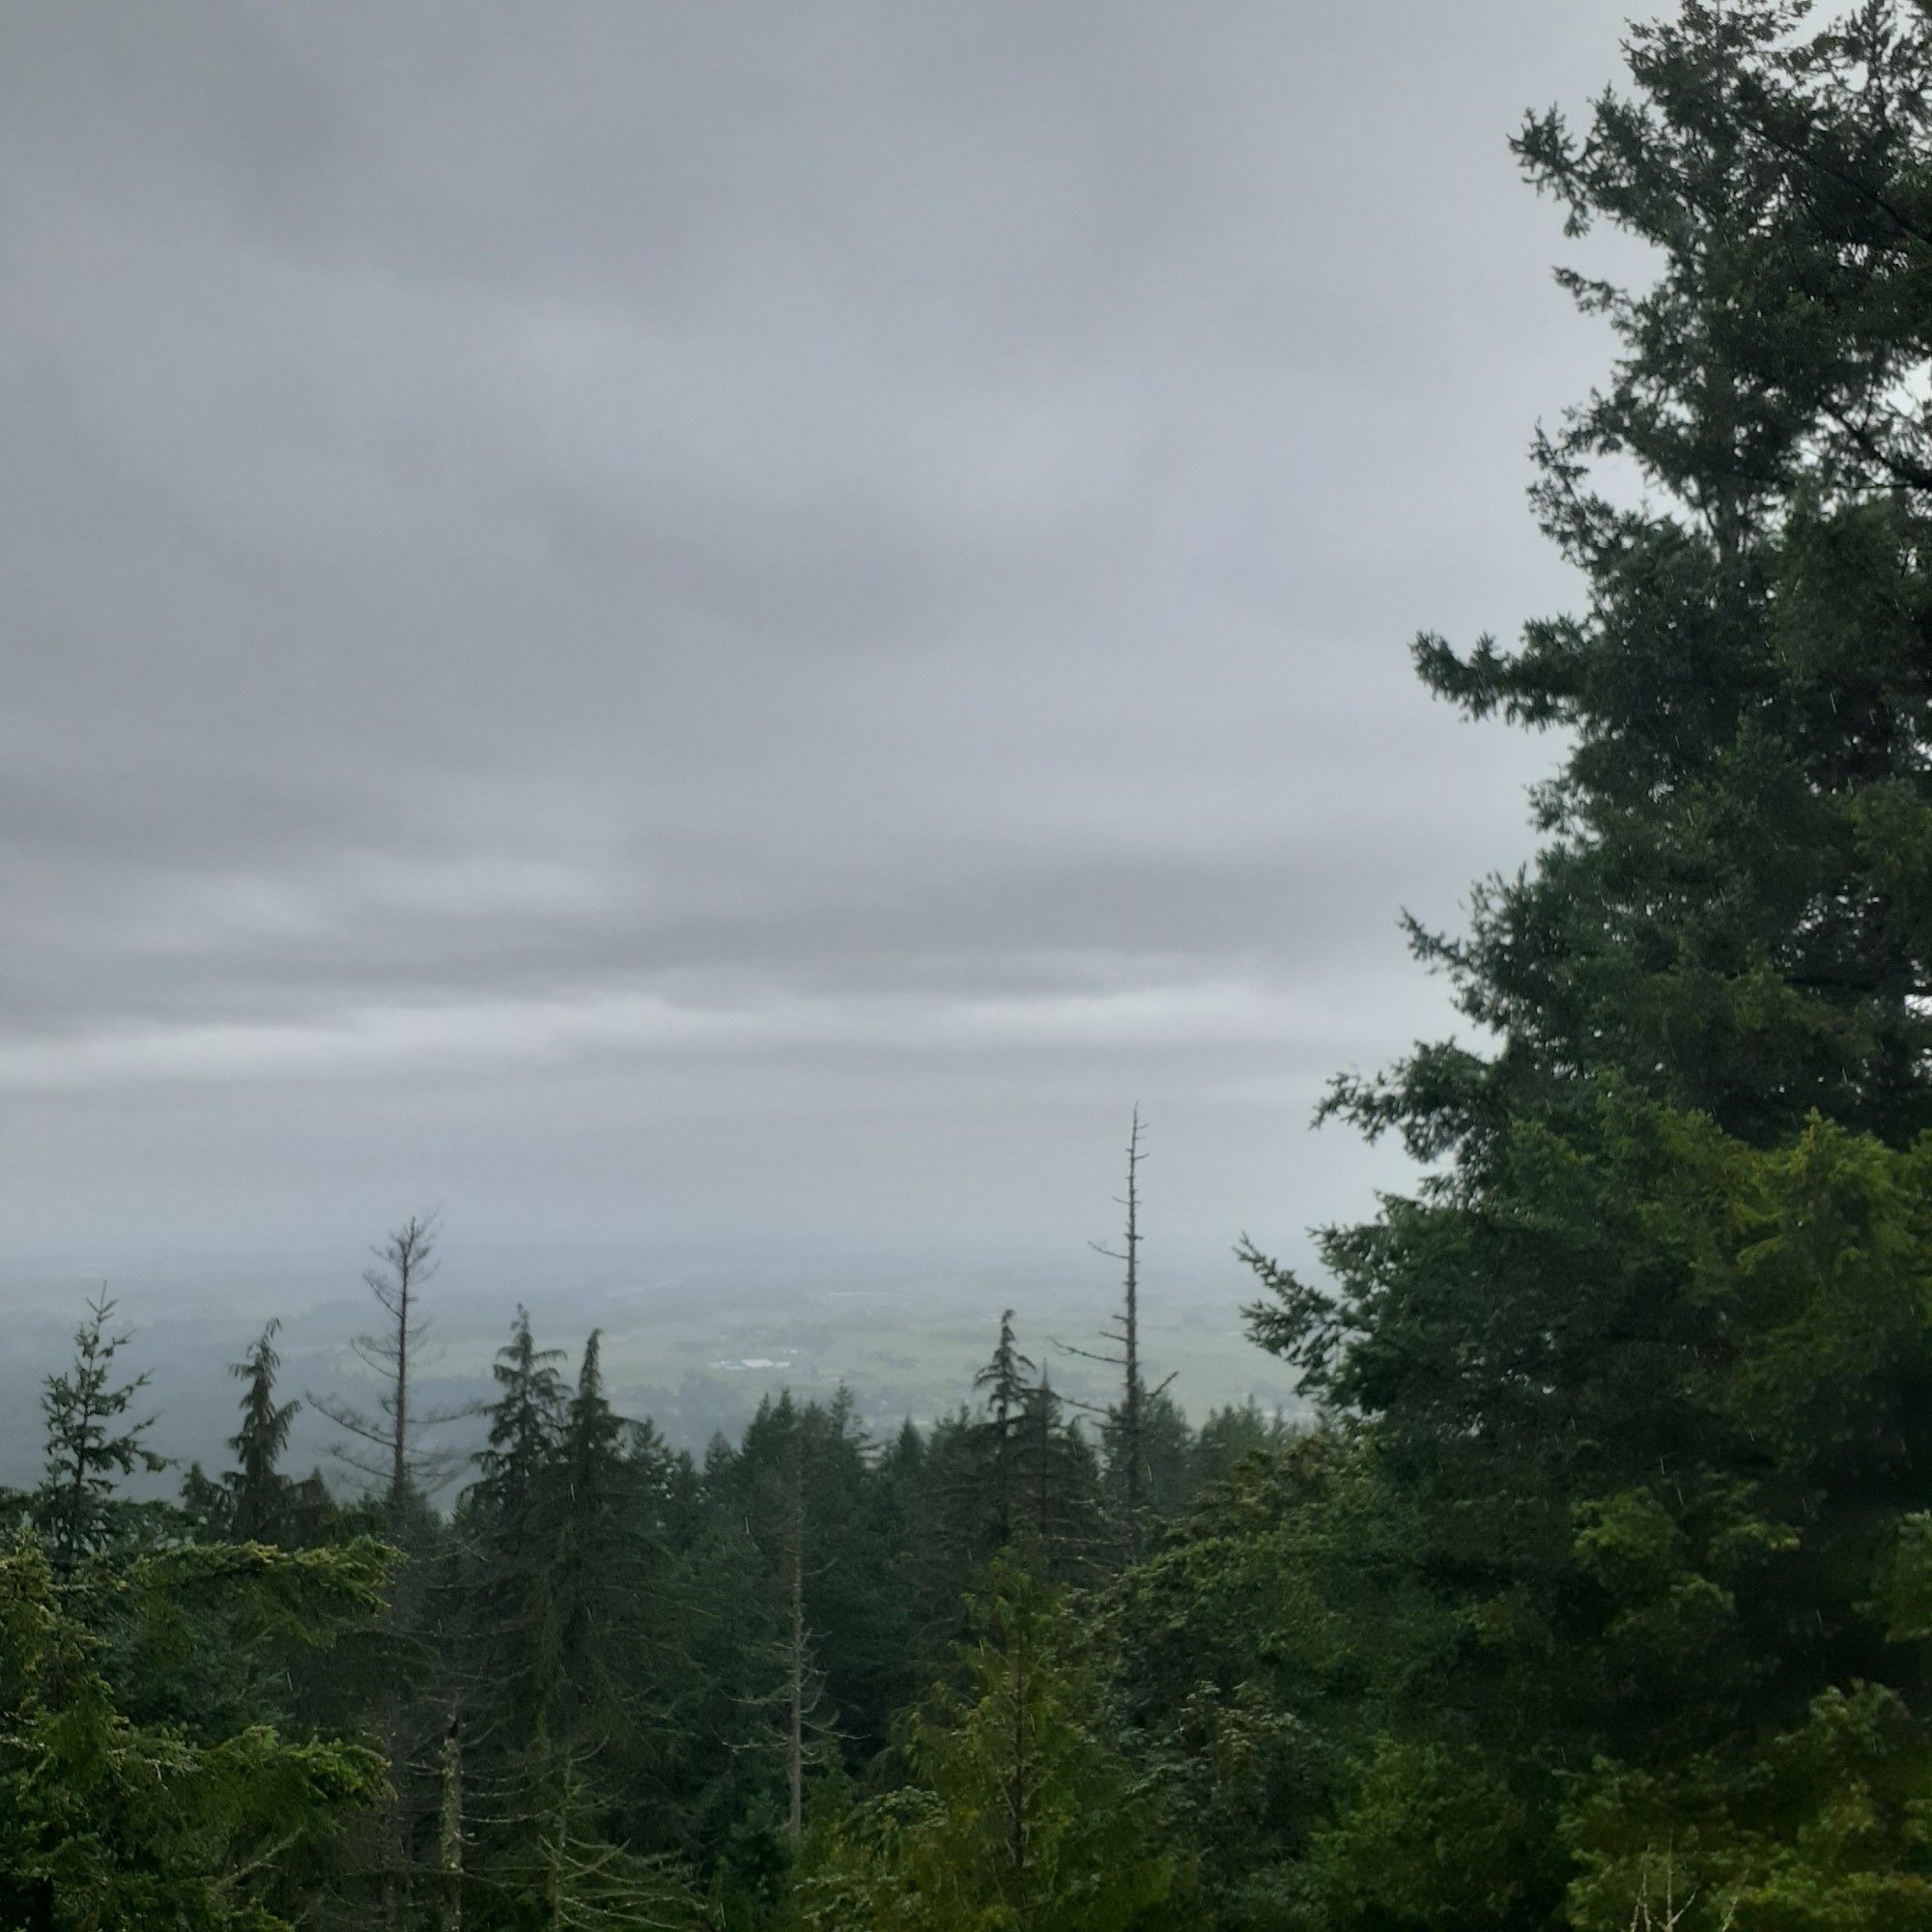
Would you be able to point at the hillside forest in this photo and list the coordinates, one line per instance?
(1596, 1595)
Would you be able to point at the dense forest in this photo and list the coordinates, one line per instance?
(1599, 1595)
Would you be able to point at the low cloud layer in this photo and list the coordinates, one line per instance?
(702, 618)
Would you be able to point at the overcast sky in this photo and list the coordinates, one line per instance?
(728, 621)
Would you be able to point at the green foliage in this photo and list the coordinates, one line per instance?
(1821, 1828)
(1022, 1811)
(1006, 1385)
(1012, 1473)
(568, 1622)
(91, 1444)
(1640, 1379)
(257, 1489)
(1262, 1651)
(111, 1824)
(1428, 1836)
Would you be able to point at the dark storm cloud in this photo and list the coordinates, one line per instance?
(861, 550)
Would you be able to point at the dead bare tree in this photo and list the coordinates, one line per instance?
(795, 1723)
(1124, 1334)
(386, 1449)
(1649, 1914)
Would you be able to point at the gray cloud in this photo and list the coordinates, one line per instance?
(586, 586)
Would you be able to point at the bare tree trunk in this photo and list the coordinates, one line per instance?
(1128, 1420)
(405, 1248)
(1042, 1511)
(795, 1580)
(1019, 1781)
(383, 1449)
(1003, 1433)
(558, 1850)
(1130, 1352)
(392, 1827)
(449, 1832)
(384, 1444)
(406, 1253)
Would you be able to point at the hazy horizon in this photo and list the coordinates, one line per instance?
(692, 1338)
(705, 627)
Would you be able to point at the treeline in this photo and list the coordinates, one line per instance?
(609, 1684)
(1602, 1596)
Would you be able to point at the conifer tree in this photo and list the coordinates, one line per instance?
(1023, 1810)
(1064, 1515)
(525, 1424)
(1004, 1383)
(594, 1575)
(816, 1650)
(592, 1632)
(119, 1820)
(256, 1487)
(1641, 1363)
(508, 1679)
(1231, 1436)
(1017, 1476)
(91, 1443)
(509, 1518)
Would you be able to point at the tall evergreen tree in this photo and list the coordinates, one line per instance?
(257, 1489)
(592, 1567)
(508, 1681)
(507, 1512)
(91, 1443)
(1005, 1384)
(587, 1790)
(525, 1425)
(1065, 1514)
(1644, 1362)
